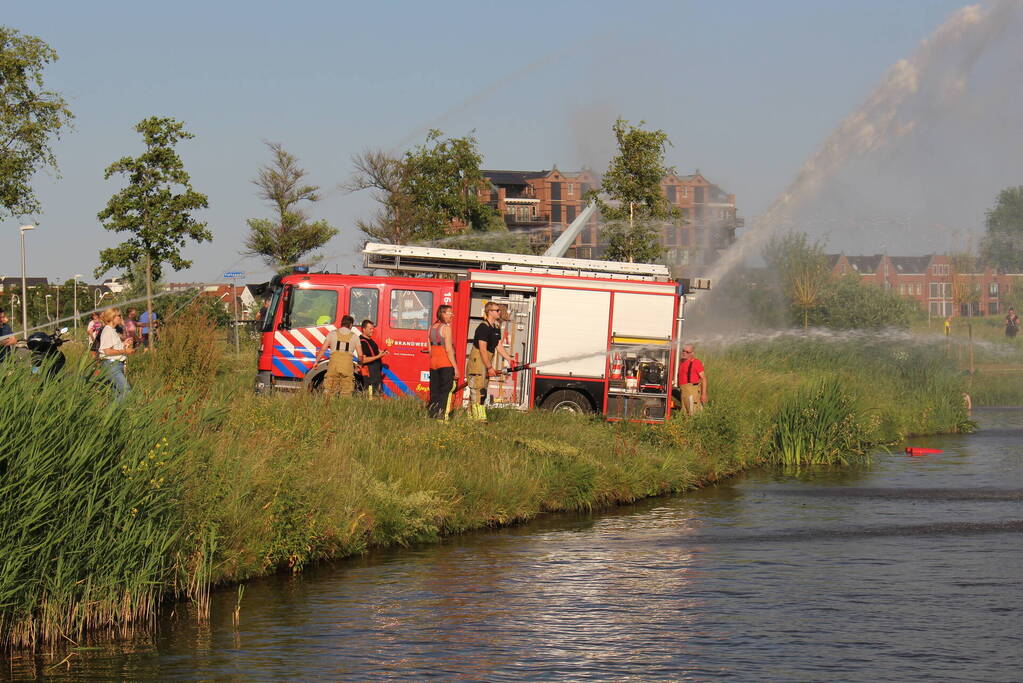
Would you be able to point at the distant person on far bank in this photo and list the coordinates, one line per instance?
(692, 381)
(1011, 323)
(7, 338)
(145, 328)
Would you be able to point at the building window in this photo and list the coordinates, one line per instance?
(570, 213)
(940, 269)
(410, 309)
(671, 236)
(992, 290)
(685, 191)
(556, 192)
(941, 290)
(570, 190)
(672, 193)
(555, 213)
(992, 308)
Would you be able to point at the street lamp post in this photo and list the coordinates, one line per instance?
(77, 275)
(24, 288)
(46, 304)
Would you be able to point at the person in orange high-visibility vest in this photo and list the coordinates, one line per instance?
(692, 381)
(344, 352)
(443, 372)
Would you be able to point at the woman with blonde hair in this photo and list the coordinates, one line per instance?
(114, 351)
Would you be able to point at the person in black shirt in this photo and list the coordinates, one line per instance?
(372, 363)
(7, 338)
(485, 342)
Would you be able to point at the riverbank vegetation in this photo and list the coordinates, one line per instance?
(195, 481)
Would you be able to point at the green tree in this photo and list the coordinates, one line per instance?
(283, 240)
(155, 208)
(849, 304)
(1002, 246)
(442, 178)
(30, 117)
(430, 191)
(633, 182)
(801, 269)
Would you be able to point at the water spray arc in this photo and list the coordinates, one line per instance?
(911, 90)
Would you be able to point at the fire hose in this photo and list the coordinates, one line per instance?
(507, 371)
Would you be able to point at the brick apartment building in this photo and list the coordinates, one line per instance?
(933, 282)
(545, 202)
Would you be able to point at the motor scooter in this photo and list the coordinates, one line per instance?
(46, 354)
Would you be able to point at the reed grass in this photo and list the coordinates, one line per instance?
(90, 506)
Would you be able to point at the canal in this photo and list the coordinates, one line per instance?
(909, 569)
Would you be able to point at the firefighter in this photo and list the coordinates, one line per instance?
(485, 342)
(443, 372)
(344, 353)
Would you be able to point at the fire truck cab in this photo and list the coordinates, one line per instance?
(304, 307)
(593, 336)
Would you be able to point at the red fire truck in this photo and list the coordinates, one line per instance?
(595, 336)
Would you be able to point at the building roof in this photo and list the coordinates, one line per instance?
(865, 264)
(512, 177)
(15, 281)
(910, 265)
(832, 260)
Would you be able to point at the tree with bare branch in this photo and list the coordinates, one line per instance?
(394, 222)
(290, 235)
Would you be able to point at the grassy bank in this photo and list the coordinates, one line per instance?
(255, 484)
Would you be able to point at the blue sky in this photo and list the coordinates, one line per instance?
(745, 90)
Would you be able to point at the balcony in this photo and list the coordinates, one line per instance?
(511, 219)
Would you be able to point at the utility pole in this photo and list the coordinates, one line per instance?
(234, 300)
(24, 287)
(77, 275)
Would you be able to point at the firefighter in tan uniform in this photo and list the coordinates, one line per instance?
(480, 368)
(344, 345)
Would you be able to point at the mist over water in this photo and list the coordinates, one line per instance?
(912, 170)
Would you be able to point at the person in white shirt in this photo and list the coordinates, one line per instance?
(114, 351)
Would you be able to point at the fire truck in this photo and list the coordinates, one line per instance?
(587, 336)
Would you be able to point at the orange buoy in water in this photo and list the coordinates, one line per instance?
(913, 450)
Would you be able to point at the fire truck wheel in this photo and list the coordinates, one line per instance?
(568, 401)
(314, 382)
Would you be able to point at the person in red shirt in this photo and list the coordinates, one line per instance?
(692, 381)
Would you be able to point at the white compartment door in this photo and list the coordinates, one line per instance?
(643, 315)
(572, 332)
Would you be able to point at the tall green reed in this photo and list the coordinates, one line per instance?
(90, 508)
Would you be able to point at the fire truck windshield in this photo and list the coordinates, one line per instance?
(311, 307)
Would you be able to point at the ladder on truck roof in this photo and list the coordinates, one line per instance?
(460, 262)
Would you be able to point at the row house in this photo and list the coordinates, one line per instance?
(544, 203)
(934, 282)
(708, 219)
